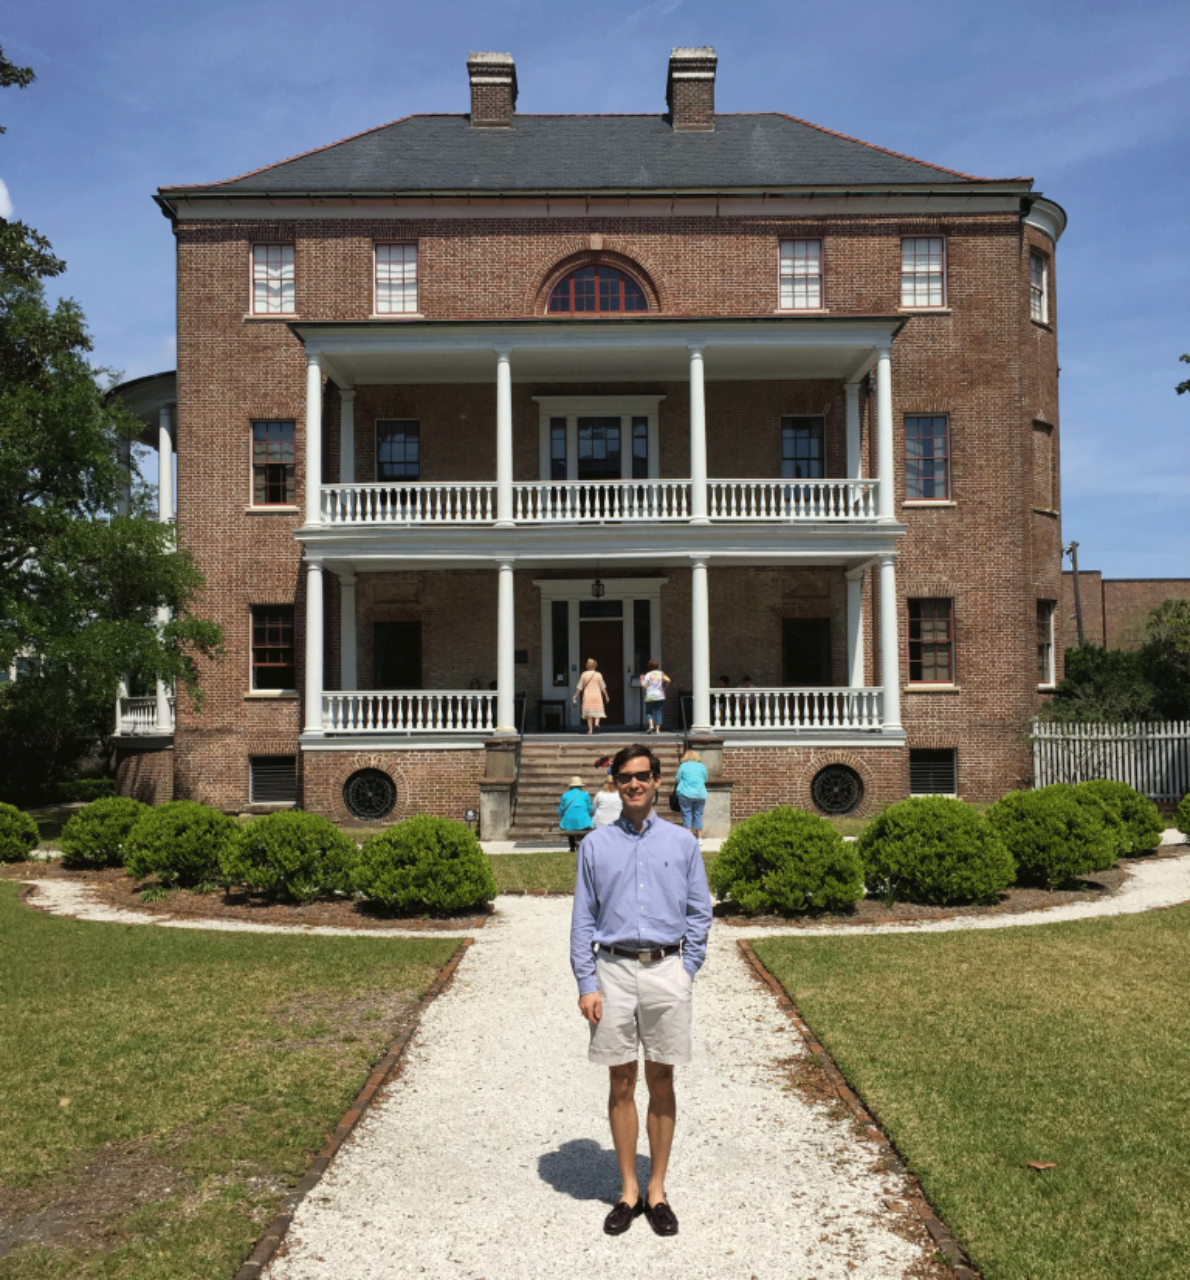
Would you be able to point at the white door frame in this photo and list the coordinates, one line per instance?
(572, 408)
(575, 590)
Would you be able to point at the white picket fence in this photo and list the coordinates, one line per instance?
(1153, 758)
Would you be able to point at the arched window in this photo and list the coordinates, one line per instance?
(592, 290)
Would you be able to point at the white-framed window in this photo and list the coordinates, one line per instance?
(801, 275)
(272, 280)
(1039, 290)
(923, 271)
(396, 279)
(1045, 642)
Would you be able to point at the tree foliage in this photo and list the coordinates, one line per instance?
(1183, 387)
(80, 586)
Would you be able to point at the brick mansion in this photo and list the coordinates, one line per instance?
(464, 401)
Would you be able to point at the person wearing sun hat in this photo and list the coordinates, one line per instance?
(574, 811)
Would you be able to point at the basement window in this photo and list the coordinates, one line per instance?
(272, 779)
(933, 771)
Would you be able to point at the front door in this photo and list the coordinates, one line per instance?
(398, 655)
(602, 638)
(807, 645)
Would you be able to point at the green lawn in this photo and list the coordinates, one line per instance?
(980, 1051)
(543, 872)
(198, 1069)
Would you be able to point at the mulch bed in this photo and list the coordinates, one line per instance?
(1096, 886)
(115, 888)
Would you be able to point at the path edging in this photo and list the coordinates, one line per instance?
(274, 1235)
(946, 1245)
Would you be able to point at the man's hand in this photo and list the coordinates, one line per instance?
(591, 1006)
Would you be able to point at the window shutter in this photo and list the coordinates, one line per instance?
(933, 772)
(272, 779)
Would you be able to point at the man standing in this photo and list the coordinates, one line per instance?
(641, 897)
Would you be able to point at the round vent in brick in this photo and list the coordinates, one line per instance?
(369, 795)
(837, 789)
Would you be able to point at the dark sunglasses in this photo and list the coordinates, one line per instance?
(623, 779)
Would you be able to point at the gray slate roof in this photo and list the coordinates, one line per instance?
(586, 153)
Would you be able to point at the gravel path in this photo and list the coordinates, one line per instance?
(491, 1157)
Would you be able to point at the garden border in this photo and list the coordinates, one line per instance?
(946, 1245)
(385, 1070)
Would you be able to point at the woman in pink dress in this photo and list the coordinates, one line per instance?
(594, 695)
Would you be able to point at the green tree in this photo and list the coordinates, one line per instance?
(1166, 654)
(1103, 686)
(1184, 386)
(80, 586)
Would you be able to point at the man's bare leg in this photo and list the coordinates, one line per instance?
(621, 1112)
(659, 1122)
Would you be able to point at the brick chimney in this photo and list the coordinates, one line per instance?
(690, 89)
(493, 90)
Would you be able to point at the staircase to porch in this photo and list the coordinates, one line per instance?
(548, 765)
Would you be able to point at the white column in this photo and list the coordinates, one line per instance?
(121, 694)
(165, 468)
(313, 647)
(347, 436)
(700, 646)
(505, 652)
(698, 449)
(503, 440)
(855, 462)
(314, 445)
(884, 433)
(855, 628)
(347, 642)
(890, 649)
(165, 511)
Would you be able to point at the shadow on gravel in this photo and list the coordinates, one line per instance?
(584, 1170)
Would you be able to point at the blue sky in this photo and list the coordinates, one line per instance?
(1090, 99)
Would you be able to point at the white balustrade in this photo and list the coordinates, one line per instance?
(409, 711)
(578, 501)
(586, 502)
(792, 500)
(139, 715)
(408, 503)
(796, 708)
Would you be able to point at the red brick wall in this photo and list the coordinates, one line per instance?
(768, 776)
(435, 782)
(981, 361)
(147, 776)
(1115, 609)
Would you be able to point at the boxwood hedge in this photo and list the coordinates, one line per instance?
(290, 855)
(425, 864)
(1053, 835)
(96, 835)
(18, 834)
(181, 843)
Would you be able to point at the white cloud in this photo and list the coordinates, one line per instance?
(5, 202)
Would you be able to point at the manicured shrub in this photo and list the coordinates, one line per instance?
(787, 860)
(935, 850)
(86, 789)
(425, 864)
(18, 834)
(180, 843)
(1136, 818)
(292, 856)
(1051, 835)
(96, 835)
(1182, 817)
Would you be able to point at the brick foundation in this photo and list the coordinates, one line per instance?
(147, 776)
(445, 783)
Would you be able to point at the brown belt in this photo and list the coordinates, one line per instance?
(645, 957)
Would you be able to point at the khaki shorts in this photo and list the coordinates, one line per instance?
(643, 1004)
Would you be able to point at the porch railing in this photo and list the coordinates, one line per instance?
(796, 708)
(581, 502)
(139, 715)
(409, 711)
(789, 500)
(575, 501)
(408, 503)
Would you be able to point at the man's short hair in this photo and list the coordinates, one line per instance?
(625, 754)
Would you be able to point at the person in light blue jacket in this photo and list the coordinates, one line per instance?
(691, 786)
(574, 812)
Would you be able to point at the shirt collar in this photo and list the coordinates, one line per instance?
(625, 825)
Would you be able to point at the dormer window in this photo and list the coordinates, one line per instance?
(596, 291)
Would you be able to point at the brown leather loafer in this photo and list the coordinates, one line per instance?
(620, 1218)
(662, 1218)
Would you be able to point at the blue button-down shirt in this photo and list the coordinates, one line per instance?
(641, 890)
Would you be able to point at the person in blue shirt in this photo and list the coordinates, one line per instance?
(574, 811)
(691, 786)
(638, 936)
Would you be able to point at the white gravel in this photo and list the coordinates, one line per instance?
(491, 1158)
